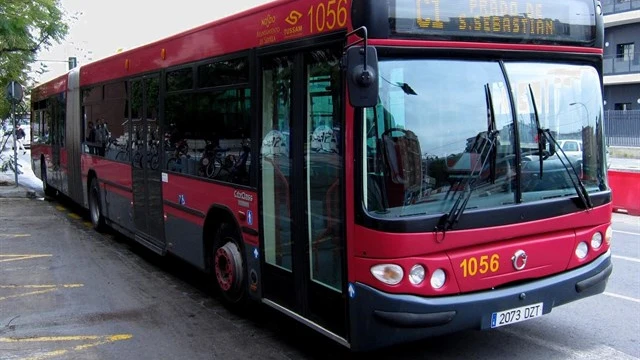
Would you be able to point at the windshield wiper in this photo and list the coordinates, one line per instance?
(581, 190)
(491, 121)
(541, 134)
(448, 220)
(488, 138)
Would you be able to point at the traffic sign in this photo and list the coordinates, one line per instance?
(14, 92)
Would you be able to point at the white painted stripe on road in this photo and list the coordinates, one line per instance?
(597, 352)
(621, 297)
(626, 232)
(625, 258)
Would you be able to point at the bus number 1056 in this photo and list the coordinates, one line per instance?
(328, 15)
(472, 266)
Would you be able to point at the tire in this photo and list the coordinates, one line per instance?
(210, 170)
(215, 168)
(154, 162)
(122, 156)
(48, 190)
(228, 266)
(172, 165)
(95, 208)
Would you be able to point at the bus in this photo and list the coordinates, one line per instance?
(381, 171)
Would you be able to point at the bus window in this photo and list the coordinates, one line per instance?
(324, 168)
(275, 162)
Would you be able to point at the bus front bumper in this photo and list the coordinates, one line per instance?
(380, 319)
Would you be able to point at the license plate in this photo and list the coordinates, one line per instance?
(516, 315)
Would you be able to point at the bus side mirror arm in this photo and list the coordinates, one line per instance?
(361, 64)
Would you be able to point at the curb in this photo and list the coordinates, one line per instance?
(10, 191)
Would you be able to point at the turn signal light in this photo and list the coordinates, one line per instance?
(390, 274)
(608, 235)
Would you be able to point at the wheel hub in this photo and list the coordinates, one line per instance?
(228, 267)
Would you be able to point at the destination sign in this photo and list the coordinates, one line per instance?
(569, 21)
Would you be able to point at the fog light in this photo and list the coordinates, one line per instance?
(596, 241)
(438, 278)
(581, 250)
(388, 273)
(608, 235)
(416, 275)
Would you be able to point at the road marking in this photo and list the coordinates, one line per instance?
(15, 257)
(27, 294)
(621, 297)
(14, 235)
(61, 208)
(65, 338)
(596, 352)
(47, 289)
(626, 232)
(40, 286)
(74, 216)
(625, 258)
(98, 340)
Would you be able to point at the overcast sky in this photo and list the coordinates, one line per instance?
(104, 26)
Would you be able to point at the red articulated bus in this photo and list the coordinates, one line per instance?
(381, 171)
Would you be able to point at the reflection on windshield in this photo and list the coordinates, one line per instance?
(421, 144)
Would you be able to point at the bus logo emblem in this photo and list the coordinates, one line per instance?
(293, 17)
(519, 260)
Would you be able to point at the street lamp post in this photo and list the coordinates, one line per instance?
(583, 105)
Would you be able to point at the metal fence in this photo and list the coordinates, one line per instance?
(622, 127)
(615, 6)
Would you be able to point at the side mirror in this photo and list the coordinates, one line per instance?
(362, 75)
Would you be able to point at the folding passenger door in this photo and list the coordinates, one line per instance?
(147, 178)
(301, 187)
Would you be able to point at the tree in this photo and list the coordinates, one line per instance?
(26, 27)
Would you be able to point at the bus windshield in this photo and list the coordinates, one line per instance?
(445, 129)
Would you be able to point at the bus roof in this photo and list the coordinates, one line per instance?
(261, 25)
(54, 86)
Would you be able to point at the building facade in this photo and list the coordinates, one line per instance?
(621, 54)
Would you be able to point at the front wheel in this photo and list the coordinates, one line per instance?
(95, 210)
(229, 267)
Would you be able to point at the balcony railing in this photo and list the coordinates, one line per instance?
(617, 6)
(622, 127)
(614, 65)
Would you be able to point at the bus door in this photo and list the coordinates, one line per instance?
(302, 188)
(146, 174)
(56, 137)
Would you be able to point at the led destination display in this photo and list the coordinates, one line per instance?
(561, 21)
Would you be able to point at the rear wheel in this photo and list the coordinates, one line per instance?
(95, 210)
(229, 269)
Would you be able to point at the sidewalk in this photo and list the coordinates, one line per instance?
(29, 186)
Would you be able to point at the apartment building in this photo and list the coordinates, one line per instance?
(621, 54)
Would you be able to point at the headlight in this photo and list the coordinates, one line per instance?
(388, 273)
(438, 278)
(416, 275)
(596, 241)
(581, 250)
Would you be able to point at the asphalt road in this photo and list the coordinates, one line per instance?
(67, 292)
